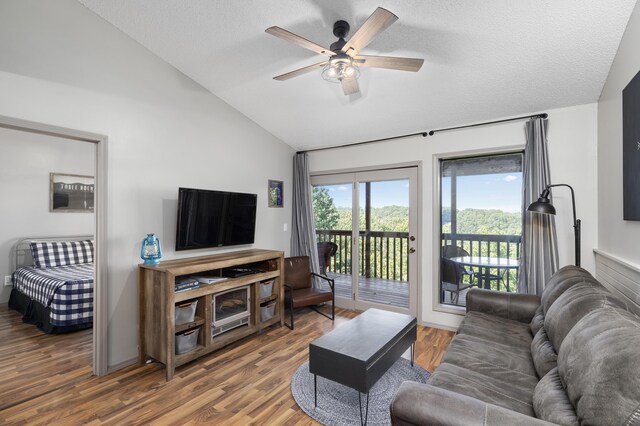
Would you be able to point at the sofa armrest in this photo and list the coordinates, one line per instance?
(423, 404)
(513, 306)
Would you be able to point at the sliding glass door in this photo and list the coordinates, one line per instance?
(371, 217)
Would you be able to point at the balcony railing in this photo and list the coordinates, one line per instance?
(384, 255)
(501, 246)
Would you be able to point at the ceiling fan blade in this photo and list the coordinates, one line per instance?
(350, 86)
(300, 71)
(379, 20)
(389, 62)
(301, 41)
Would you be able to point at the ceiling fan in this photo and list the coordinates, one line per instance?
(344, 58)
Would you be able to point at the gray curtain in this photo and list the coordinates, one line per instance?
(539, 252)
(303, 232)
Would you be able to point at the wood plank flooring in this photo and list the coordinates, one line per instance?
(34, 363)
(245, 383)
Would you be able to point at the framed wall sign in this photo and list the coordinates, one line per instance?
(631, 149)
(71, 193)
(275, 193)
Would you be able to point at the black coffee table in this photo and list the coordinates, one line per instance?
(359, 352)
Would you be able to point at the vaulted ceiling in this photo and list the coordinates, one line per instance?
(483, 59)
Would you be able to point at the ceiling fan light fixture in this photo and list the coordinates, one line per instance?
(339, 67)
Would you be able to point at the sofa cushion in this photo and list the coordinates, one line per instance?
(496, 329)
(574, 304)
(543, 354)
(563, 279)
(483, 356)
(598, 365)
(537, 322)
(550, 401)
(512, 391)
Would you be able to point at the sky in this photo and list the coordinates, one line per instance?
(502, 191)
(387, 193)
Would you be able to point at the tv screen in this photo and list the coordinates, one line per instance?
(214, 218)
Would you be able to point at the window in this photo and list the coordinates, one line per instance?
(481, 224)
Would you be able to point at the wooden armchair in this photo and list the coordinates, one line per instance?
(299, 290)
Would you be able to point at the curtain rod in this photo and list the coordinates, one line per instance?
(524, 117)
(424, 134)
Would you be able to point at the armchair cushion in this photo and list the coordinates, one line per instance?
(297, 272)
(308, 296)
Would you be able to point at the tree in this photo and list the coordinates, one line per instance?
(325, 213)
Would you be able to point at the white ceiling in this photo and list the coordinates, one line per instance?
(483, 59)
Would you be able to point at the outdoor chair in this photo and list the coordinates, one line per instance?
(326, 250)
(452, 275)
(450, 251)
(299, 289)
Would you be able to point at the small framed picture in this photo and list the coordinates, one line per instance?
(275, 193)
(71, 193)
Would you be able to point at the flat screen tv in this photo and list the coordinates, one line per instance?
(214, 218)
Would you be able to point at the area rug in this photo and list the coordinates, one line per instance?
(338, 404)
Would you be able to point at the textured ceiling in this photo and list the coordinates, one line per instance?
(483, 59)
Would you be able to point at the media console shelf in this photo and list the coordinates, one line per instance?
(158, 300)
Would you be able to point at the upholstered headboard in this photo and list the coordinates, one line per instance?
(21, 252)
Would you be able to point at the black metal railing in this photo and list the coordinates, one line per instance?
(501, 246)
(383, 254)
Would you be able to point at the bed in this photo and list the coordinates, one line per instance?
(53, 282)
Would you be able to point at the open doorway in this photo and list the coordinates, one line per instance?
(62, 350)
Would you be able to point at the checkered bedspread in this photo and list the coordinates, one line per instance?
(67, 290)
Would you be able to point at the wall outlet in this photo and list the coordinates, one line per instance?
(7, 281)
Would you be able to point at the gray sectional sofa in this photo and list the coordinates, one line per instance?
(569, 357)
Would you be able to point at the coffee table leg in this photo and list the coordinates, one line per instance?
(413, 351)
(315, 389)
(366, 412)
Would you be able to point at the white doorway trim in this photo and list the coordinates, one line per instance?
(100, 314)
(376, 173)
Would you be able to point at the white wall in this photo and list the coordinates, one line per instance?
(24, 185)
(572, 150)
(60, 64)
(615, 235)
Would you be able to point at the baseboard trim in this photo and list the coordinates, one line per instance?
(440, 326)
(121, 365)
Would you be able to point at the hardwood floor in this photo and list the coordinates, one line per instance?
(34, 363)
(245, 383)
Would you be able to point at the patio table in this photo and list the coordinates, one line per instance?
(485, 264)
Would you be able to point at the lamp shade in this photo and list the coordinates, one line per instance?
(543, 205)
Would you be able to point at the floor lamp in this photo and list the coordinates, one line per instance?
(543, 205)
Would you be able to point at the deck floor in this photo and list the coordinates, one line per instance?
(384, 292)
(375, 290)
